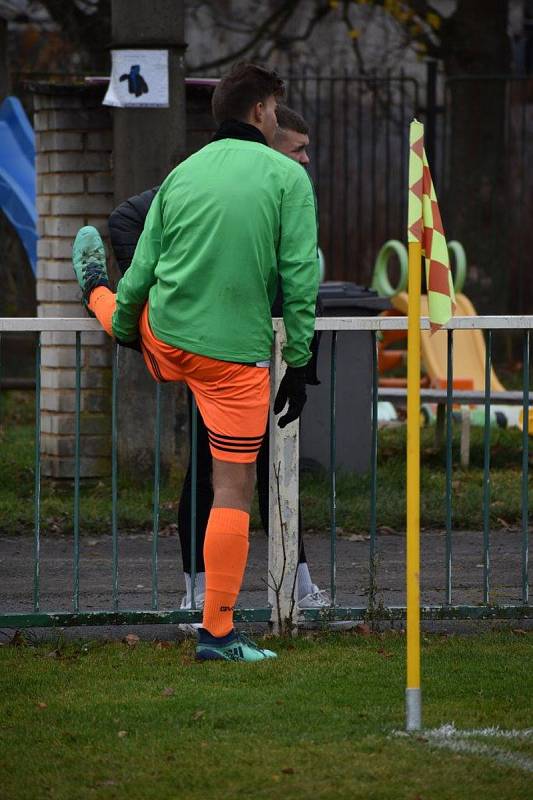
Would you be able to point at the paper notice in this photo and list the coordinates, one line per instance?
(139, 78)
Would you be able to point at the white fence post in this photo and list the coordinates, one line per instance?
(283, 507)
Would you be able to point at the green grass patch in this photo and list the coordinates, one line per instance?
(353, 491)
(112, 721)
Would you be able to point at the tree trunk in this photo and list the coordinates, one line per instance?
(475, 50)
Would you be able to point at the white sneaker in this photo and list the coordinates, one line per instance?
(190, 628)
(317, 598)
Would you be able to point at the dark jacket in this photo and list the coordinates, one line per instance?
(125, 226)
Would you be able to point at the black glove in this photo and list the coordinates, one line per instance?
(292, 389)
(312, 364)
(135, 345)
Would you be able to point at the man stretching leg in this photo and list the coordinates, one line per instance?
(225, 226)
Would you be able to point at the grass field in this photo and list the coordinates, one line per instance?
(106, 720)
(353, 491)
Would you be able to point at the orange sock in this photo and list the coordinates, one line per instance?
(102, 302)
(225, 554)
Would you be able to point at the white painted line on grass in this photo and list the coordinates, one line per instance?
(504, 757)
(449, 730)
(451, 738)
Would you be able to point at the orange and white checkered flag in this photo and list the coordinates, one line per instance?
(425, 226)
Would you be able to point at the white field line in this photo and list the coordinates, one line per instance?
(448, 731)
(450, 738)
(505, 757)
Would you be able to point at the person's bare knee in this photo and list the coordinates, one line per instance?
(233, 484)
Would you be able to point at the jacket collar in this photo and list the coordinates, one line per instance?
(235, 129)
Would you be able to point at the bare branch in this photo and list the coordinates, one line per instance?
(272, 31)
(285, 12)
(322, 11)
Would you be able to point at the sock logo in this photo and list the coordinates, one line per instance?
(227, 608)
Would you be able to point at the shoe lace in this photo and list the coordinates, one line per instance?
(244, 639)
(91, 264)
(92, 271)
(321, 596)
(90, 256)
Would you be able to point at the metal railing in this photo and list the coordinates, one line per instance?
(358, 128)
(284, 494)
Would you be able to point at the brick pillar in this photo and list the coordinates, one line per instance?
(74, 188)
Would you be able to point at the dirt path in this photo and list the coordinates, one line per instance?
(16, 570)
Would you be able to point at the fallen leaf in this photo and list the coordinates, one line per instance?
(18, 639)
(122, 734)
(131, 639)
(357, 537)
(387, 531)
(168, 692)
(288, 771)
(108, 783)
(362, 629)
(162, 645)
(41, 705)
(198, 714)
(503, 522)
(385, 653)
(169, 530)
(519, 631)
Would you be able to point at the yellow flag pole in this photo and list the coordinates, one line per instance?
(413, 699)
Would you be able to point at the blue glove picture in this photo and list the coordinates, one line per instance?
(136, 83)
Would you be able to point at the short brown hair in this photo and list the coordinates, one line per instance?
(290, 120)
(244, 86)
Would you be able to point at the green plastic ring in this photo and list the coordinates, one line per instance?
(460, 265)
(380, 280)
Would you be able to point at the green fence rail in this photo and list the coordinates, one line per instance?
(284, 447)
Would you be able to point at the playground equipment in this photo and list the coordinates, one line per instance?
(469, 346)
(17, 174)
(468, 351)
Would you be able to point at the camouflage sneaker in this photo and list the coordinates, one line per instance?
(233, 647)
(88, 260)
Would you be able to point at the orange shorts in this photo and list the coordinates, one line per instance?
(233, 398)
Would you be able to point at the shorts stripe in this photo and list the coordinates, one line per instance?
(155, 366)
(235, 446)
(235, 443)
(221, 436)
(235, 449)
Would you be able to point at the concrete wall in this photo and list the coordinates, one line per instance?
(74, 188)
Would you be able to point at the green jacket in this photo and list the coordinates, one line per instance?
(225, 225)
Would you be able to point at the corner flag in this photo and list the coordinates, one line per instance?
(425, 236)
(425, 226)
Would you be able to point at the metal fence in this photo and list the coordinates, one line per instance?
(479, 145)
(358, 150)
(280, 571)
